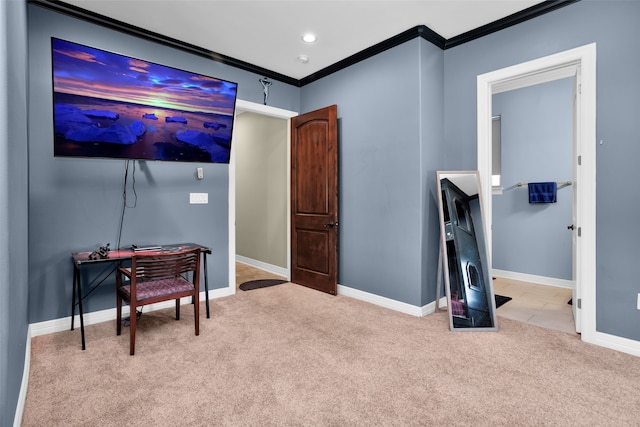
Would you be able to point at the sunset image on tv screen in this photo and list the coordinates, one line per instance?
(114, 106)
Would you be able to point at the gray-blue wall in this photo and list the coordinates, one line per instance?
(537, 141)
(613, 25)
(75, 204)
(390, 137)
(14, 270)
(403, 114)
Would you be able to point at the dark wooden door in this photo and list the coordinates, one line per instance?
(314, 199)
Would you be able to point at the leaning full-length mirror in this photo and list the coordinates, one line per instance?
(469, 289)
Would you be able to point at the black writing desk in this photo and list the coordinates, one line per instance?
(116, 257)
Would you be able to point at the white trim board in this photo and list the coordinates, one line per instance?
(269, 268)
(609, 341)
(613, 342)
(580, 62)
(532, 278)
(64, 323)
(252, 107)
(389, 303)
(24, 385)
(58, 325)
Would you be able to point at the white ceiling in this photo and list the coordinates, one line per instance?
(268, 33)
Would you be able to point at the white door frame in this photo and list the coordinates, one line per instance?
(580, 62)
(252, 107)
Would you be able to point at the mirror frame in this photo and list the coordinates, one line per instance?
(463, 242)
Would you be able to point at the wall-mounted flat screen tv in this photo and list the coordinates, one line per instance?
(114, 106)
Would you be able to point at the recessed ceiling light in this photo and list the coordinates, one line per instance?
(309, 38)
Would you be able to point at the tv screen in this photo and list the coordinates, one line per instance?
(115, 106)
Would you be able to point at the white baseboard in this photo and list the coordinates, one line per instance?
(614, 342)
(532, 278)
(601, 339)
(270, 268)
(63, 324)
(402, 307)
(24, 385)
(350, 292)
(57, 325)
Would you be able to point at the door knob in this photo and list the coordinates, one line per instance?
(570, 227)
(331, 224)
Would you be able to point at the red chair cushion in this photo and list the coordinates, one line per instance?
(160, 287)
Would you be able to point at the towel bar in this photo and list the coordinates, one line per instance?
(522, 184)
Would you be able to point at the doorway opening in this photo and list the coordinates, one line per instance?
(532, 246)
(581, 64)
(260, 109)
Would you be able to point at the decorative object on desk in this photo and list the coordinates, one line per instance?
(157, 277)
(501, 300)
(543, 192)
(137, 248)
(101, 253)
(262, 283)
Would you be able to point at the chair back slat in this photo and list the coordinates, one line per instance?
(173, 264)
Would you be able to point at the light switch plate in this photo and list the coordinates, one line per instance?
(198, 198)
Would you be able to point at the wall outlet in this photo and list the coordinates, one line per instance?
(198, 198)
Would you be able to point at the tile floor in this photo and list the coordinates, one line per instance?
(540, 305)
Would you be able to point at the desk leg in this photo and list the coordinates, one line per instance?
(206, 284)
(80, 312)
(76, 277)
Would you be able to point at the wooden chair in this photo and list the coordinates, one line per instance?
(156, 277)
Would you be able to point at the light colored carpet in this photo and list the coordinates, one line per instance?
(290, 356)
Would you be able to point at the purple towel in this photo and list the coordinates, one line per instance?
(543, 192)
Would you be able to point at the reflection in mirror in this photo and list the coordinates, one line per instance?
(468, 286)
